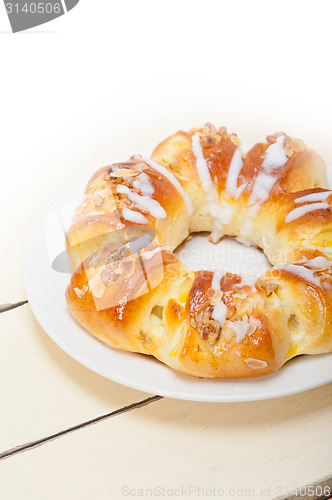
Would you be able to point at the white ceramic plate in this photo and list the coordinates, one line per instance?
(45, 289)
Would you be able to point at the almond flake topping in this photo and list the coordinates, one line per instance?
(124, 172)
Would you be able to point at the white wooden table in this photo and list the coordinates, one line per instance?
(94, 92)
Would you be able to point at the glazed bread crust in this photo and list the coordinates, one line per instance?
(130, 291)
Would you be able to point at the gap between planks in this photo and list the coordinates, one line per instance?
(34, 444)
(9, 307)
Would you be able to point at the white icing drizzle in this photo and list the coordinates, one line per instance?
(313, 197)
(246, 147)
(219, 313)
(240, 327)
(261, 191)
(318, 263)
(247, 280)
(145, 202)
(233, 174)
(275, 157)
(151, 253)
(143, 184)
(173, 180)
(133, 216)
(217, 277)
(300, 271)
(221, 212)
(201, 164)
(255, 363)
(240, 190)
(301, 211)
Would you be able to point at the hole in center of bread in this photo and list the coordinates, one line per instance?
(198, 252)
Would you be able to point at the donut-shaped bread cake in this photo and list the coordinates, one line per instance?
(130, 291)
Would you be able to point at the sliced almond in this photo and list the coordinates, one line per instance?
(206, 301)
(108, 276)
(255, 363)
(97, 287)
(217, 298)
(289, 149)
(228, 333)
(222, 131)
(231, 310)
(272, 139)
(198, 131)
(126, 268)
(97, 200)
(211, 128)
(80, 292)
(124, 172)
(235, 140)
(298, 145)
(251, 329)
(208, 141)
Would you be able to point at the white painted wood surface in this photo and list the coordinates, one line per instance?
(273, 445)
(42, 389)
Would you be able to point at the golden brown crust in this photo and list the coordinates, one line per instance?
(145, 300)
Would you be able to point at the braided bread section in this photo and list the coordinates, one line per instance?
(240, 190)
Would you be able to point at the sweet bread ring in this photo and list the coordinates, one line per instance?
(130, 291)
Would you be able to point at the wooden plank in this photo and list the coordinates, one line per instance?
(255, 450)
(34, 444)
(42, 389)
